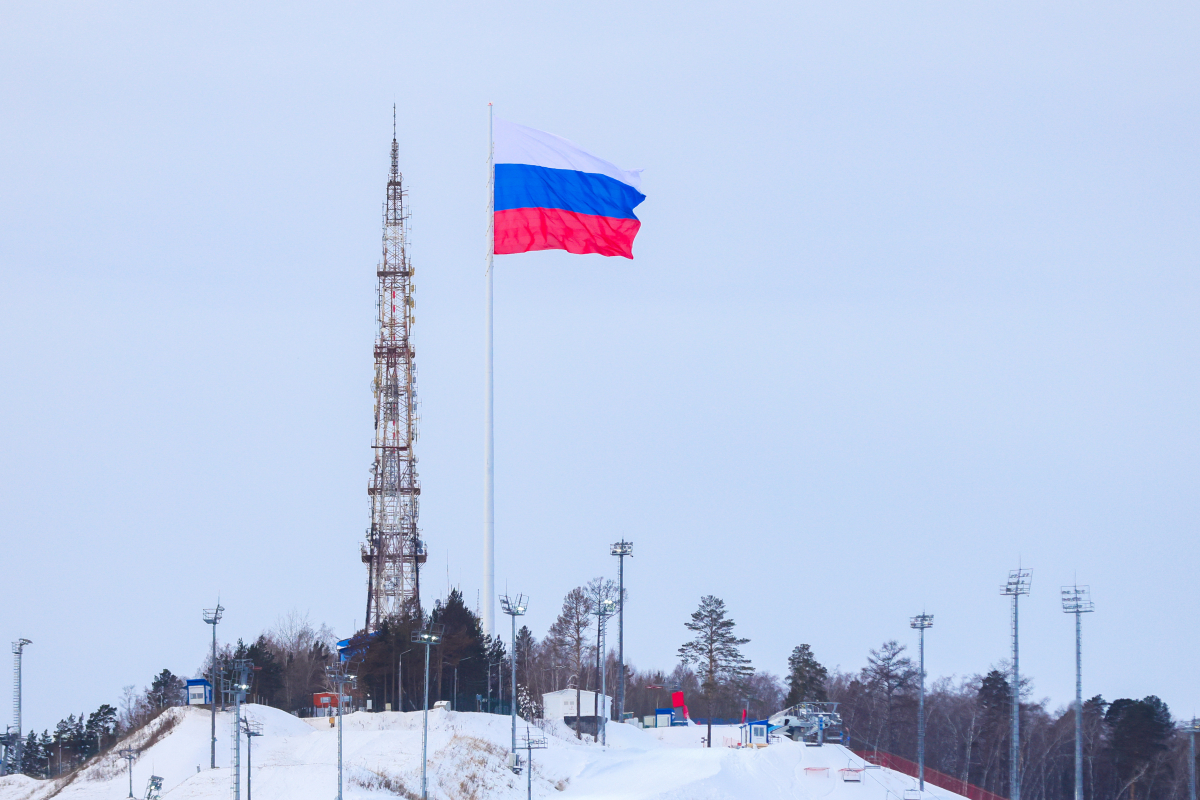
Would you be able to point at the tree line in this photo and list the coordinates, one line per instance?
(1132, 747)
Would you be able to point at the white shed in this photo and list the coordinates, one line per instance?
(556, 705)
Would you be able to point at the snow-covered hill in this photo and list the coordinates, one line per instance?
(296, 759)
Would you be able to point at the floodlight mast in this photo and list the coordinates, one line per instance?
(1077, 600)
(1019, 581)
(212, 616)
(428, 637)
(620, 550)
(514, 607)
(921, 622)
(1191, 728)
(14, 747)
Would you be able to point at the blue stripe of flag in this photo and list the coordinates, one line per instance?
(525, 186)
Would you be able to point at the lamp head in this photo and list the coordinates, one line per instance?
(621, 548)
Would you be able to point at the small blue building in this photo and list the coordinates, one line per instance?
(199, 692)
(756, 733)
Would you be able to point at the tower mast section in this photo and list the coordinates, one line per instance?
(394, 551)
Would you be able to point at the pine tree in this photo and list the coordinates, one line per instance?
(267, 680)
(715, 651)
(806, 677)
(1140, 731)
(44, 750)
(166, 690)
(101, 725)
(570, 634)
(462, 649)
(31, 757)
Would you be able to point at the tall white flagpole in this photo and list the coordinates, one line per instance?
(489, 439)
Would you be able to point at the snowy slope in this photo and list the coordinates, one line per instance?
(297, 760)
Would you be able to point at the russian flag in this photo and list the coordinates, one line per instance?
(550, 195)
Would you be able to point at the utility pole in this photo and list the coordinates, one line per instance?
(1019, 581)
(620, 550)
(212, 616)
(1077, 600)
(921, 622)
(514, 607)
(428, 637)
(14, 749)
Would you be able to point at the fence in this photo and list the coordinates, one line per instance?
(938, 779)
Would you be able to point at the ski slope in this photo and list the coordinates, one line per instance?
(296, 759)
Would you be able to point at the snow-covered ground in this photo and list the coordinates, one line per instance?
(296, 759)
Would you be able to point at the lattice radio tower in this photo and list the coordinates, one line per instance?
(394, 551)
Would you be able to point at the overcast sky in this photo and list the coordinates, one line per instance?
(914, 301)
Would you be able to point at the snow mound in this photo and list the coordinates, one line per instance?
(296, 759)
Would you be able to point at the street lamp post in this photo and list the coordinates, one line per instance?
(921, 622)
(340, 680)
(428, 637)
(212, 616)
(514, 607)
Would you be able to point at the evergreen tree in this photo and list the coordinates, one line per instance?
(806, 677)
(100, 728)
(1141, 730)
(993, 700)
(716, 653)
(166, 690)
(462, 650)
(525, 647)
(45, 749)
(32, 763)
(267, 678)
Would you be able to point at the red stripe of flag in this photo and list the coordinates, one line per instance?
(520, 230)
